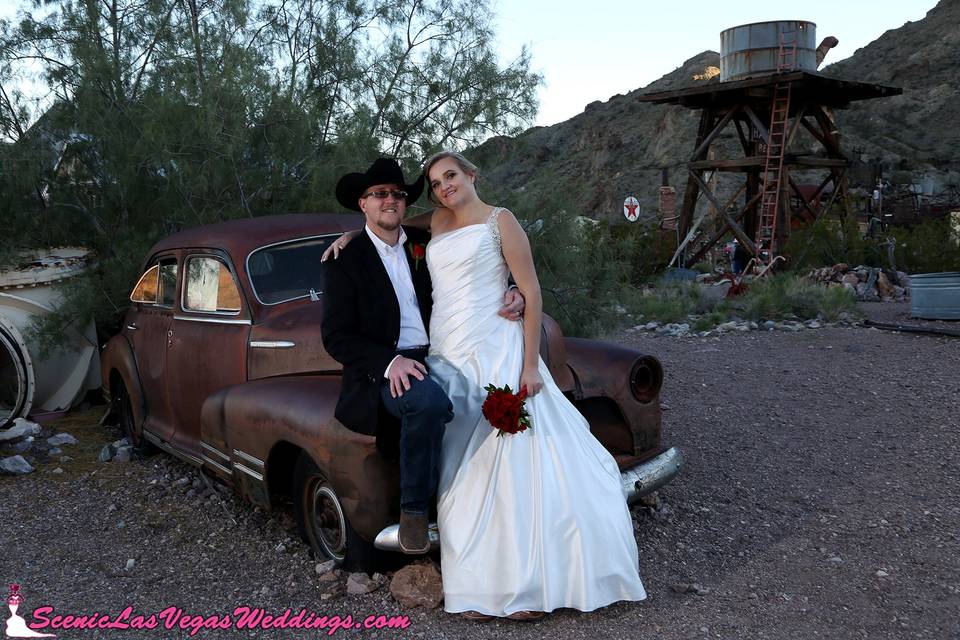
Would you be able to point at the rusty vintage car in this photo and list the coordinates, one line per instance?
(220, 363)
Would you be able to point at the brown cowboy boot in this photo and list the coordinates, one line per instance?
(413, 535)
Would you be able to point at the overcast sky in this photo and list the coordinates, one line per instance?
(590, 50)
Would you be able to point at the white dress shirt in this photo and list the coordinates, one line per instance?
(412, 331)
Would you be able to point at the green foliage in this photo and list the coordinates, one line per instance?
(670, 302)
(929, 247)
(828, 241)
(784, 295)
(167, 115)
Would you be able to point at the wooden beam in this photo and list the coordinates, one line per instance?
(704, 146)
(795, 127)
(737, 230)
(744, 140)
(761, 128)
(722, 231)
(814, 161)
(737, 164)
(803, 200)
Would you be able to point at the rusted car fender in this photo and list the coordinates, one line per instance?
(117, 359)
(629, 378)
(264, 425)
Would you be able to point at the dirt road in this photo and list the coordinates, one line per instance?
(820, 499)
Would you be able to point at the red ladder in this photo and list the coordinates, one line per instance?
(776, 140)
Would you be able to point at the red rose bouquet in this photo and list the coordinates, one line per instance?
(504, 409)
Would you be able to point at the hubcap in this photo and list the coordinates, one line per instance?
(328, 522)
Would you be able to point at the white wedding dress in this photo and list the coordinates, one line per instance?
(532, 521)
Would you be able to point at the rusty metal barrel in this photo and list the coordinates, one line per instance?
(751, 50)
(935, 296)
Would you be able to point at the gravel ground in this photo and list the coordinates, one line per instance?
(820, 499)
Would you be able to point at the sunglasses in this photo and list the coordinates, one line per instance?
(383, 195)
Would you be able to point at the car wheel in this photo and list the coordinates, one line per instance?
(323, 523)
(128, 425)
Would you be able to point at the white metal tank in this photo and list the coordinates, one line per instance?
(751, 50)
(30, 384)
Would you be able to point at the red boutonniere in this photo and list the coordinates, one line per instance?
(505, 410)
(418, 252)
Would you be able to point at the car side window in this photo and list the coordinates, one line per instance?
(210, 286)
(146, 290)
(168, 281)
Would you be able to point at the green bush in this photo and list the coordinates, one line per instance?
(784, 295)
(929, 247)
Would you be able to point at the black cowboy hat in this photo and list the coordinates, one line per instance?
(382, 171)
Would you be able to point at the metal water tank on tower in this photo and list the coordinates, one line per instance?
(751, 50)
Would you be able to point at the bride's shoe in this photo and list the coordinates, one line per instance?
(526, 616)
(476, 616)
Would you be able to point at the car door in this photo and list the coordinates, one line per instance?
(208, 342)
(148, 327)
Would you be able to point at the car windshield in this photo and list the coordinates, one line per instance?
(289, 270)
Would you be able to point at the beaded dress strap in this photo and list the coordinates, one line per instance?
(493, 225)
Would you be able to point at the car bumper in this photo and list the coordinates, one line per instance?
(638, 481)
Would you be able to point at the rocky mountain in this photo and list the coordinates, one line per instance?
(619, 147)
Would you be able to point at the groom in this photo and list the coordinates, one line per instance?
(376, 312)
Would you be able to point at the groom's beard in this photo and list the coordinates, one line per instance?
(388, 225)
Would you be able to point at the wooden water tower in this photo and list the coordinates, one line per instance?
(769, 90)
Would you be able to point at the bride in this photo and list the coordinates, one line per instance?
(529, 522)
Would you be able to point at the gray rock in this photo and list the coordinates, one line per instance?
(417, 585)
(22, 446)
(21, 429)
(57, 471)
(107, 453)
(881, 573)
(325, 567)
(55, 451)
(360, 583)
(812, 324)
(123, 454)
(330, 576)
(15, 466)
(769, 325)
(61, 439)
(65, 459)
(130, 564)
(650, 326)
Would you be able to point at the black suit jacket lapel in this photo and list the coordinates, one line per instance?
(377, 278)
(421, 281)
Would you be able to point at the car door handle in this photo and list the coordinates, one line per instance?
(272, 344)
(132, 326)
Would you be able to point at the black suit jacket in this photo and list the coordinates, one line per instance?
(361, 323)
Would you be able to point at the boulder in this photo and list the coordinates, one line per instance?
(884, 286)
(417, 585)
(15, 466)
(61, 439)
(850, 278)
(360, 583)
(21, 429)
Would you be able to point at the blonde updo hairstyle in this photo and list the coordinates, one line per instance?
(465, 165)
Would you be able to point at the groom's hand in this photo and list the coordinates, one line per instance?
(399, 374)
(513, 304)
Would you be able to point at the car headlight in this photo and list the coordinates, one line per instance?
(646, 378)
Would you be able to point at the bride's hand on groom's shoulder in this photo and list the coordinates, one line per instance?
(530, 378)
(333, 251)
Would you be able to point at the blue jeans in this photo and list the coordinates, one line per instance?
(423, 411)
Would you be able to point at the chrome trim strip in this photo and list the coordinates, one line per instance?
(251, 472)
(246, 264)
(217, 465)
(272, 344)
(216, 451)
(248, 457)
(172, 449)
(212, 320)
